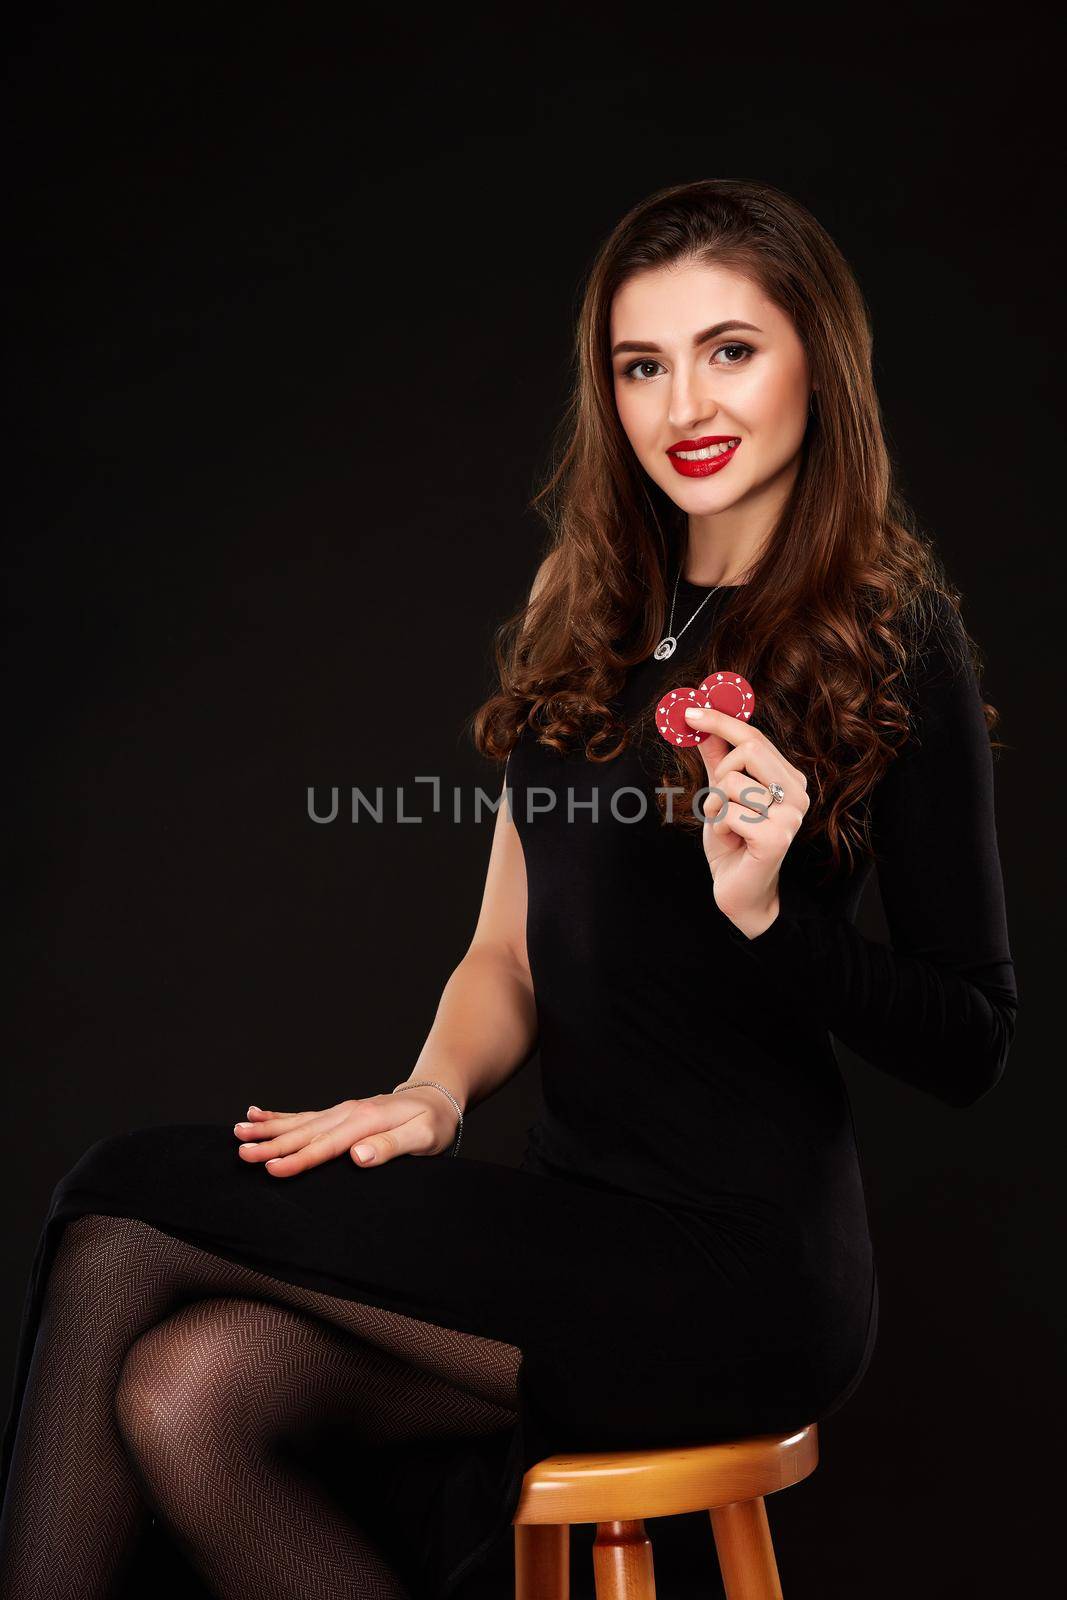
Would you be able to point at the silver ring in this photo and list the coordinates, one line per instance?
(777, 793)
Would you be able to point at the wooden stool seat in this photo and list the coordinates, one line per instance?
(618, 1489)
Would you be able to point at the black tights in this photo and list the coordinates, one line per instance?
(164, 1378)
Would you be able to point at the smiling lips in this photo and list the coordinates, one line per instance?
(698, 458)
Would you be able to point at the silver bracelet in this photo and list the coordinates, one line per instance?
(428, 1083)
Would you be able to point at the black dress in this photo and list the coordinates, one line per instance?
(683, 1254)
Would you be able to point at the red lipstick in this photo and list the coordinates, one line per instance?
(703, 466)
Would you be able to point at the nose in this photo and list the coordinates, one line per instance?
(692, 404)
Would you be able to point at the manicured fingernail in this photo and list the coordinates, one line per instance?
(273, 1162)
(250, 1110)
(693, 711)
(365, 1152)
(241, 1125)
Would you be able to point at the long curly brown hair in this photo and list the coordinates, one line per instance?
(834, 613)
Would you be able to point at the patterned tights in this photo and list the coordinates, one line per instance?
(166, 1380)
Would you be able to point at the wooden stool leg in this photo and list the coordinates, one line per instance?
(622, 1562)
(746, 1554)
(542, 1561)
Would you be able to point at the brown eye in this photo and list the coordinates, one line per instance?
(646, 361)
(745, 349)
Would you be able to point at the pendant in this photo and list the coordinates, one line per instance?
(665, 648)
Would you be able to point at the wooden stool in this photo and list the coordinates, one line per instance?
(618, 1490)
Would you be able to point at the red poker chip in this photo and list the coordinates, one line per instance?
(722, 691)
(729, 692)
(670, 717)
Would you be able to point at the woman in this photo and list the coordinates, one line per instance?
(684, 1253)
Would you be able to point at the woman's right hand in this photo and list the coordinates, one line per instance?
(419, 1122)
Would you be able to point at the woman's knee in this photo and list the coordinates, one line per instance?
(190, 1381)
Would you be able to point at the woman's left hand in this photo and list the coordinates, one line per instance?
(745, 851)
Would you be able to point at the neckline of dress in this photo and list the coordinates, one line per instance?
(705, 588)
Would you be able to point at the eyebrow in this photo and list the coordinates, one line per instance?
(698, 338)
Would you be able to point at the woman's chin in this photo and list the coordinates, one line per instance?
(703, 497)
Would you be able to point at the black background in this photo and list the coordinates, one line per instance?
(290, 325)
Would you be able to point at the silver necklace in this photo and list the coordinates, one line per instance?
(669, 643)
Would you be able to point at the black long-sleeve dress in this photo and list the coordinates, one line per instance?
(683, 1254)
